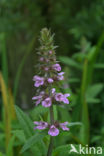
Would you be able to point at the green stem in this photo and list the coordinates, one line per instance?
(85, 130)
(49, 153)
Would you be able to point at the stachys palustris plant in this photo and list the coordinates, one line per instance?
(49, 74)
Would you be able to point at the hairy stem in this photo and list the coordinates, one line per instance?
(49, 153)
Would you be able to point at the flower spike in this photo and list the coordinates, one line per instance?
(49, 74)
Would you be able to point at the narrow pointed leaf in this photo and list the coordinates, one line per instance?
(32, 140)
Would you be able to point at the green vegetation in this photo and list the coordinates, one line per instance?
(79, 32)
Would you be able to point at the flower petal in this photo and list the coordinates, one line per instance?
(50, 80)
(53, 131)
(59, 97)
(41, 125)
(56, 67)
(53, 90)
(63, 126)
(47, 102)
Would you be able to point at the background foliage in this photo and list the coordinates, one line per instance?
(79, 33)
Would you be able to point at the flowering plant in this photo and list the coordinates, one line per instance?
(49, 74)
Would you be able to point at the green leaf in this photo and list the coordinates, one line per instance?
(2, 136)
(79, 56)
(99, 66)
(74, 124)
(64, 150)
(84, 131)
(25, 122)
(39, 110)
(92, 56)
(70, 62)
(1, 126)
(36, 150)
(96, 138)
(91, 53)
(21, 65)
(20, 135)
(94, 90)
(92, 100)
(74, 80)
(33, 140)
(42, 147)
(10, 146)
(1, 154)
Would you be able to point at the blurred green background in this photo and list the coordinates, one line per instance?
(79, 33)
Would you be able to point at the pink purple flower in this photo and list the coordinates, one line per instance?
(62, 98)
(41, 59)
(50, 52)
(42, 93)
(53, 90)
(60, 76)
(40, 125)
(46, 68)
(39, 81)
(47, 102)
(59, 97)
(56, 67)
(53, 131)
(65, 100)
(64, 126)
(50, 80)
(38, 101)
(38, 98)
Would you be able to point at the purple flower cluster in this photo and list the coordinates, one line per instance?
(49, 73)
(39, 81)
(56, 67)
(47, 101)
(53, 129)
(61, 97)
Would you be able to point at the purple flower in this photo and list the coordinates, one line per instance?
(47, 102)
(65, 100)
(38, 98)
(59, 97)
(62, 98)
(46, 68)
(53, 90)
(53, 131)
(60, 76)
(41, 59)
(39, 81)
(50, 80)
(63, 126)
(56, 67)
(40, 125)
(42, 93)
(50, 52)
(38, 101)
